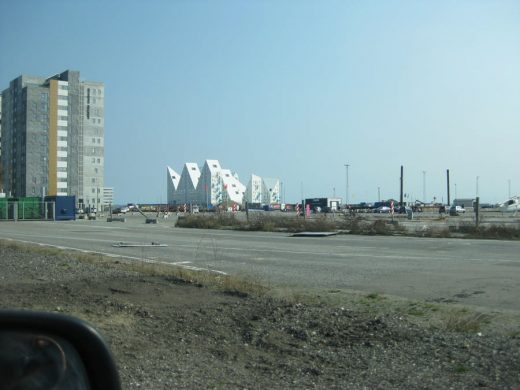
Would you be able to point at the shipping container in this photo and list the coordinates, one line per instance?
(3, 208)
(64, 207)
(29, 208)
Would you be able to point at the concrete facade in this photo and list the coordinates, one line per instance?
(53, 137)
(108, 196)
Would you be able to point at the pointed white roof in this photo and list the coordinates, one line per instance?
(232, 186)
(271, 183)
(213, 166)
(192, 171)
(174, 177)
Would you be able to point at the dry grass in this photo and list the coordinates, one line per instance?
(464, 322)
(497, 232)
(440, 316)
(258, 222)
(239, 285)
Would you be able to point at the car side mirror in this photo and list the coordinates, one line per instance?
(53, 351)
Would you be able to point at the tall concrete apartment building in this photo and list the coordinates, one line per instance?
(52, 137)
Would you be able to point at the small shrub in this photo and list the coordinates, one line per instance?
(460, 321)
(460, 368)
(374, 296)
(499, 232)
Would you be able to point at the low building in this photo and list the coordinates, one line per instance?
(323, 204)
(108, 197)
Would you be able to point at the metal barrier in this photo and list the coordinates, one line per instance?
(27, 211)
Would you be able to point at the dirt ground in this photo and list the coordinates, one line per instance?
(166, 333)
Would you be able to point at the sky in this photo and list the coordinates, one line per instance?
(292, 90)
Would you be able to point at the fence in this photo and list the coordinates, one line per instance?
(27, 210)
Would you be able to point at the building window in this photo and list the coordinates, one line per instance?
(93, 160)
(99, 161)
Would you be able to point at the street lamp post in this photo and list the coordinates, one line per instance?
(424, 186)
(346, 193)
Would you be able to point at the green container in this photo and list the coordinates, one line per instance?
(30, 208)
(3, 208)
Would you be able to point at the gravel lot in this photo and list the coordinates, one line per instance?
(166, 333)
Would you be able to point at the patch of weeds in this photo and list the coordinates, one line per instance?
(498, 232)
(268, 226)
(514, 334)
(464, 322)
(420, 309)
(442, 233)
(374, 296)
(415, 311)
(460, 368)
(213, 221)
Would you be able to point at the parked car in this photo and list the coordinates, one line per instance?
(382, 210)
(120, 210)
(403, 209)
(456, 210)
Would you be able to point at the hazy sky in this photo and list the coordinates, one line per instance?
(291, 89)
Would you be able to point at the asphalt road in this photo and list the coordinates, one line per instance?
(475, 272)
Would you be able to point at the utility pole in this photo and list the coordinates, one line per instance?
(448, 184)
(477, 187)
(401, 187)
(424, 186)
(346, 193)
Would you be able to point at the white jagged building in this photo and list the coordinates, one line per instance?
(209, 187)
(265, 191)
